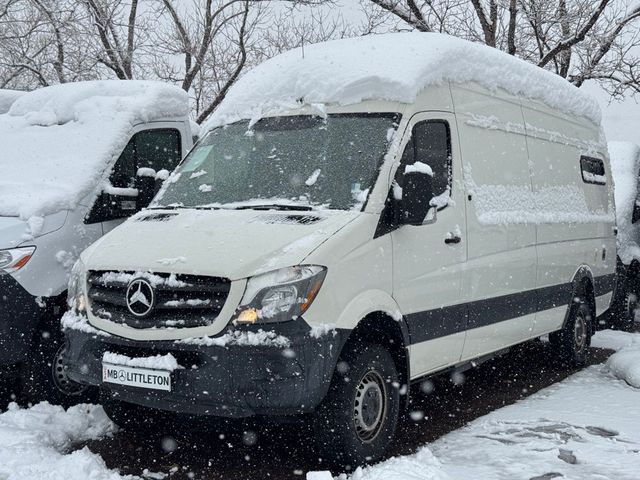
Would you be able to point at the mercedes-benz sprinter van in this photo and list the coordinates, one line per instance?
(75, 161)
(355, 220)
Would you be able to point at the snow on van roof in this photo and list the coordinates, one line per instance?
(7, 97)
(57, 141)
(393, 67)
(625, 161)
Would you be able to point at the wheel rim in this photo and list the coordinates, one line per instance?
(60, 378)
(580, 333)
(370, 406)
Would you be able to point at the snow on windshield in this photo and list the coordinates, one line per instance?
(291, 160)
(393, 67)
(57, 141)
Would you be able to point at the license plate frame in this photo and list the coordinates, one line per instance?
(145, 378)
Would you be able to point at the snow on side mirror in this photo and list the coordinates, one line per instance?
(416, 195)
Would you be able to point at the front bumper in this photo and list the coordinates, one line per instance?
(19, 316)
(233, 381)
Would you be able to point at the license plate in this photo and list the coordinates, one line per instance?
(136, 377)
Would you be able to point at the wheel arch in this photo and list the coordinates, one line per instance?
(582, 286)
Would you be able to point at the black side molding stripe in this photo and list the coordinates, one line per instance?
(604, 284)
(443, 321)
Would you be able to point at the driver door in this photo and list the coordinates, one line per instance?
(428, 259)
(130, 188)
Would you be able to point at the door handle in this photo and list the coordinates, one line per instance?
(452, 238)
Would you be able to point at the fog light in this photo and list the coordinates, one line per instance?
(250, 315)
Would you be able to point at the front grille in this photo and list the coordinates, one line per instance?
(181, 301)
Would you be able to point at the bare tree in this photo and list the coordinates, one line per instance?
(573, 38)
(115, 25)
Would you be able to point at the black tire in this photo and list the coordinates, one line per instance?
(45, 377)
(574, 340)
(625, 313)
(356, 421)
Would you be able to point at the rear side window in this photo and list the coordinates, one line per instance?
(593, 170)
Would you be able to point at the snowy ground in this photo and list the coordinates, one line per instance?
(585, 427)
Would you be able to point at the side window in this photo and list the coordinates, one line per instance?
(158, 149)
(593, 170)
(432, 145)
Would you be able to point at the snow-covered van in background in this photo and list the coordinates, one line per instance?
(625, 167)
(355, 220)
(75, 161)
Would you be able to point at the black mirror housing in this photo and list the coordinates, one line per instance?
(636, 212)
(417, 193)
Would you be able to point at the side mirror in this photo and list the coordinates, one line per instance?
(636, 211)
(146, 186)
(417, 193)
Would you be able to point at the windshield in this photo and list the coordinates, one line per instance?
(287, 162)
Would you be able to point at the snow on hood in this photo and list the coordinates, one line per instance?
(392, 67)
(625, 158)
(229, 243)
(57, 141)
(7, 97)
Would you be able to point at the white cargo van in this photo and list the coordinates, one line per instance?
(378, 211)
(75, 161)
(625, 167)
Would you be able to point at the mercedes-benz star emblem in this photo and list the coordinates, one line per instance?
(140, 297)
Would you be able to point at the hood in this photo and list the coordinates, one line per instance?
(14, 231)
(228, 243)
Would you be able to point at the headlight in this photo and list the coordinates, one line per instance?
(75, 292)
(280, 295)
(14, 259)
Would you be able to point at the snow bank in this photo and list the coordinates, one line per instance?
(625, 365)
(34, 442)
(7, 97)
(625, 160)
(157, 362)
(57, 141)
(394, 67)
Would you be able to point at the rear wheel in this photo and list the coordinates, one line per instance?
(626, 312)
(357, 420)
(574, 340)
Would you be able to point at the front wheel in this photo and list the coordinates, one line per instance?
(574, 340)
(45, 377)
(357, 420)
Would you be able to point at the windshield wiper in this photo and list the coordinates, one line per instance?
(184, 207)
(271, 206)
